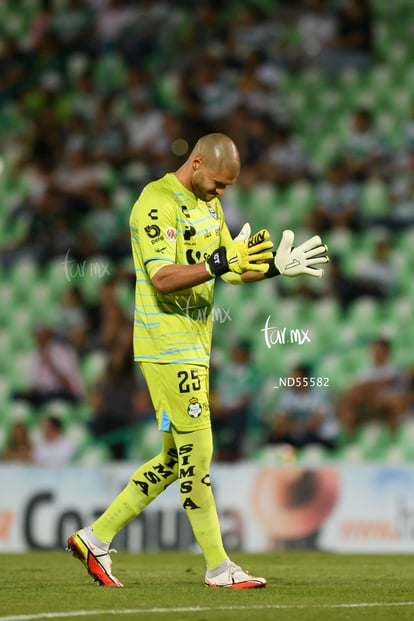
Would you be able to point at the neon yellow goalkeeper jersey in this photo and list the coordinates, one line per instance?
(170, 225)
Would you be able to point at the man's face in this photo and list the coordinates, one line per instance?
(208, 184)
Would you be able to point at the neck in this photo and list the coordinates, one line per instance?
(184, 177)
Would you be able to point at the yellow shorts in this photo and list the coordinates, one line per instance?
(179, 393)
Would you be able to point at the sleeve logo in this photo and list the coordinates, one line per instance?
(152, 230)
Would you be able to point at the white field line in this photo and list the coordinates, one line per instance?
(137, 611)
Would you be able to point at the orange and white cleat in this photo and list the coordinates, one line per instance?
(96, 560)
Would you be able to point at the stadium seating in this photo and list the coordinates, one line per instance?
(321, 110)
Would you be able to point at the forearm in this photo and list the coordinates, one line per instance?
(172, 278)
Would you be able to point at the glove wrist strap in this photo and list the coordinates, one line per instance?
(217, 264)
(272, 271)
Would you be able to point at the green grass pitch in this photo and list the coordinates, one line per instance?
(302, 586)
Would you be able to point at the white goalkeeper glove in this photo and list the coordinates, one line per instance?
(291, 261)
(246, 253)
(244, 233)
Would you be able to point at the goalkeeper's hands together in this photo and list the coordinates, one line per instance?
(254, 253)
(246, 253)
(290, 261)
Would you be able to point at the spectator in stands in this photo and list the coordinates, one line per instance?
(373, 277)
(54, 370)
(102, 223)
(337, 198)
(208, 25)
(112, 21)
(316, 27)
(72, 319)
(284, 161)
(407, 131)
(234, 385)
(377, 275)
(260, 90)
(352, 43)
(339, 285)
(54, 447)
(109, 323)
(85, 99)
(365, 149)
(379, 392)
(46, 232)
(14, 66)
(79, 176)
(73, 25)
(119, 400)
(253, 132)
(36, 167)
(304, 415)
(18, 446)
(107, 134)
(47, 69)
(41, 24)
(144, 126)
(191, 116)
(253, 30)
(402, 192)
(216, 86)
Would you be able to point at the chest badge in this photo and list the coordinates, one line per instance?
(212, 211)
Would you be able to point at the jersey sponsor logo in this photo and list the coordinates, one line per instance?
(189, 232)
(195, 256)
(212, 211)
(152, 230)
(171, 234)
(161, 250)
(184, 209)
(194, 408)
(153, 214)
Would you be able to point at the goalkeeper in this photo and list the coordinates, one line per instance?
(180, 245)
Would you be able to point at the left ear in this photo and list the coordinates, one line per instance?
(197, 162)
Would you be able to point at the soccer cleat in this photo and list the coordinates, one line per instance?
(96, 560)
(234, 577)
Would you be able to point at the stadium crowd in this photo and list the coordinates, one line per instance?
(98, 97)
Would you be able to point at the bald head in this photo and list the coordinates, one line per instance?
(219, 153)
(212, 165)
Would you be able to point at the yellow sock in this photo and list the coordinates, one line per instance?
(195, 451)
(145, 484)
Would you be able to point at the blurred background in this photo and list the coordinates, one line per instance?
(98, 97)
